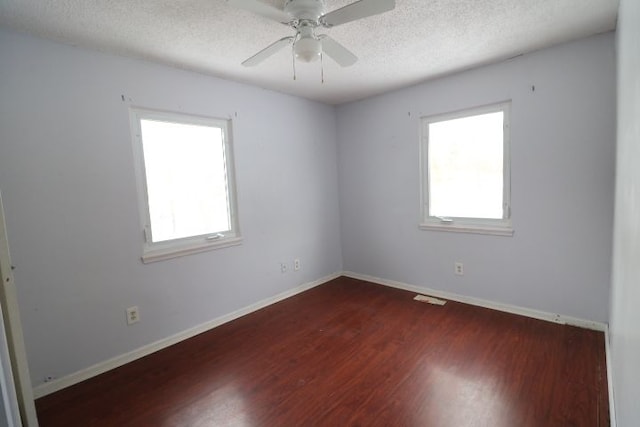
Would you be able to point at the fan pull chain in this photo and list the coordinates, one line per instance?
(321, 68)
(293, 59)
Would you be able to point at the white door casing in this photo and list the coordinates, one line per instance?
(13, 330)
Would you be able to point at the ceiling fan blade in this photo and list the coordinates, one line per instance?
(263, 9)
(268, 51)
(357, 10)
(337, 52)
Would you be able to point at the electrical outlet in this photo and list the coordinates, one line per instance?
(133, 315)
(283, 267)
(458, 268)
(296, 264)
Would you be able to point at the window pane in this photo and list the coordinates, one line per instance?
(466, 167)
(186, 179)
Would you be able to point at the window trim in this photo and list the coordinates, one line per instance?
(498, 227)
(158, 251)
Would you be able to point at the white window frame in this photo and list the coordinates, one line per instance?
(500, 227)
(158, 251)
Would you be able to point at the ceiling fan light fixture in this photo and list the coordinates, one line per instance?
(305, 16)
(307, 49)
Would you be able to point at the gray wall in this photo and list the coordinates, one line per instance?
(4, 420)
(562, 181)
(625, 295)
(67, 177)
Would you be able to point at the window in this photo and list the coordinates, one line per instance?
(465, 171)
(185, 180)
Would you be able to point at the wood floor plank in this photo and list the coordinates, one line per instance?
(351, 353)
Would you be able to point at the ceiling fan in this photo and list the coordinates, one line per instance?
(305, 16)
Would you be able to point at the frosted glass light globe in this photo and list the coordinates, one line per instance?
(307, 49)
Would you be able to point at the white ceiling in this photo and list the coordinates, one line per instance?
(420, 39)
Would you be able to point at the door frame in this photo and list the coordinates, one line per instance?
(13, 331)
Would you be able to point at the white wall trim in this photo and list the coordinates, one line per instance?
(607, 352)
(508, 308)
(107, 365)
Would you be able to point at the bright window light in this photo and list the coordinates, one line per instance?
(186, 179)
(465, 170)
(466, 167)
(185, 173)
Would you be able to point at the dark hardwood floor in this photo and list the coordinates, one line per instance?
(351, 353)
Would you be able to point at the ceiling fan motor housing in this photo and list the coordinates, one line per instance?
(304, 9)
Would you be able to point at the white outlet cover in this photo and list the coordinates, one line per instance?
(458, 268)
(133, 315)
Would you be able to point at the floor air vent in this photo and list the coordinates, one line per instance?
(430, 300)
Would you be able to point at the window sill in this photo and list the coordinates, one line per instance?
(492, 230)
(154, 255)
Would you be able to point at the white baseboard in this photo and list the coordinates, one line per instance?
(107, 365)
(508, 308)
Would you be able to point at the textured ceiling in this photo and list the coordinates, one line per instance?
(420, 39)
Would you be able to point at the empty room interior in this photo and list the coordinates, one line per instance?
(320, 213)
